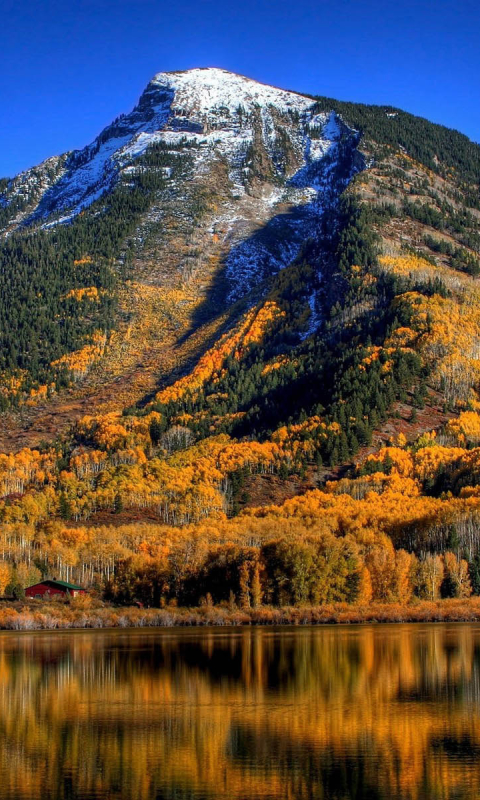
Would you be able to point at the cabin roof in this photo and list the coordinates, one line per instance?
(63, 584)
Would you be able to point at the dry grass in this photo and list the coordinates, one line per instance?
(50, 615)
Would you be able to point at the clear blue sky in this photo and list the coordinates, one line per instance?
(68, 68)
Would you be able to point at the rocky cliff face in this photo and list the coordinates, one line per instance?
(282, 163)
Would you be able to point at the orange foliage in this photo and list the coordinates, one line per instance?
(465, 428)
(85, 293)
(80, 361)
(250, 330)
(85, 260)
(444, 329)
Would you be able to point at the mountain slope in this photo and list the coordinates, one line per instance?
(226, 299)
(211, 185)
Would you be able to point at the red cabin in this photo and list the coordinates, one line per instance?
(52, 588)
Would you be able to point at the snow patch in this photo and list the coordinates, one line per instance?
(218, 93)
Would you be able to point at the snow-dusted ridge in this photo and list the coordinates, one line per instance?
(216, 108)
(25, 191)
(286, 165)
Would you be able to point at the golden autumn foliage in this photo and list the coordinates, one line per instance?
(291, 443)
(278, 363)
(444, 330)
(79, 362)
(361, 530)
(85, 260)
(250, 330)
(84, 293)
(134, 464)
(465, 428)
(16, 386)
(12, 384)
(373, 354)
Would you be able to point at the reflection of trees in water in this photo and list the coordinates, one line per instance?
(326, 712)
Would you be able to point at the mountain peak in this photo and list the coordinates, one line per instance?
(214, 109)
(206, 88)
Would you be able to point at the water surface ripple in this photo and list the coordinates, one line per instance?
(367, 712)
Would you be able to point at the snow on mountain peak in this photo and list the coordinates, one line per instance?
(207, 89)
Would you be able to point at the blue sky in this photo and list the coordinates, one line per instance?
(68, 68)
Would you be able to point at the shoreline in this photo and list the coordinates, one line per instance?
(72, 616)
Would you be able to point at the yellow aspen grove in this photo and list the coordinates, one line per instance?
(245, 593)
(256, 586)
(431, 572)
(5, 576)
(456, 576)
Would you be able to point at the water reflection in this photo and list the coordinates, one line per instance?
(338, 713)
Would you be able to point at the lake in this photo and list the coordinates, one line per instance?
(374, 711)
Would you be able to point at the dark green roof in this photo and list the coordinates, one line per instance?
(63, 583)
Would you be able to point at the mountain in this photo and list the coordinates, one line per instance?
(216, 114)
(220, 312)
(209, 168)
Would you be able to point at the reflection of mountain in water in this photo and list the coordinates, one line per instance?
(325, 712)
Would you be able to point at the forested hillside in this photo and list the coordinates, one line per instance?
(286, 341)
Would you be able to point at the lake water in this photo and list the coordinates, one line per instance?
(375, 712)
